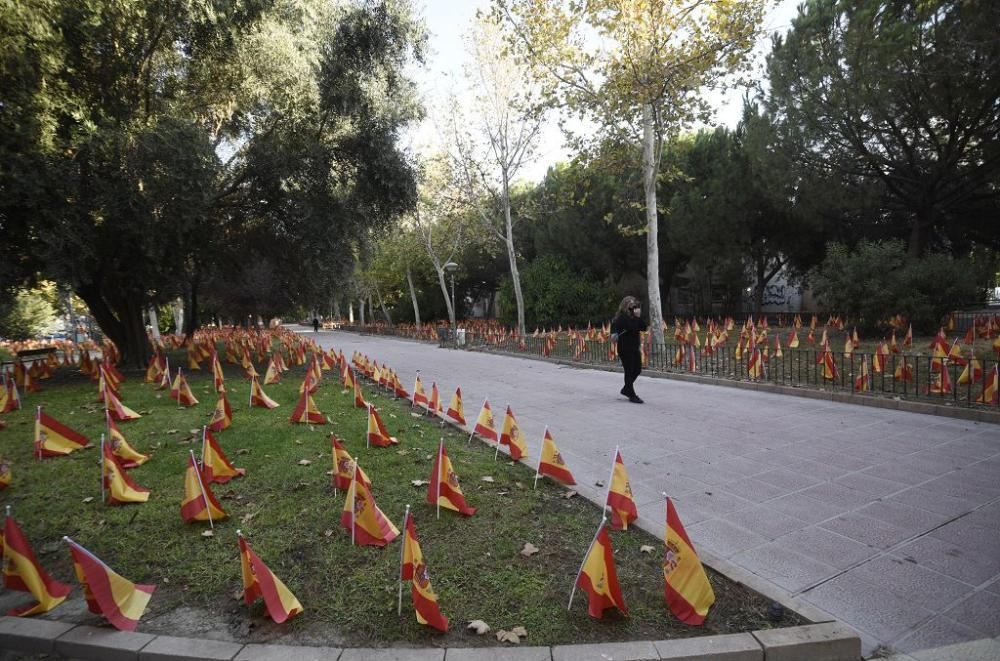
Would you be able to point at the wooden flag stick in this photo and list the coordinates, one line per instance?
(204, 494)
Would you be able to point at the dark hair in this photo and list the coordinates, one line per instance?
(628, 304)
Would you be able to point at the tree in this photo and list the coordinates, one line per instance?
(903, 98)
(506, 119)
(635, 68)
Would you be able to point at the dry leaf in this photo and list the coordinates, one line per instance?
(88, 499)
(569, 494)
(529, 550)
(520, 631)
(417, 415)
(246, 517)
(172, 431)
(508, 637)
(518, 485)
(194, 431)
(329, 472)
(487, 478)
(298, 442)
(646, 548)
(328, 533)
(419, 483)
(479, 627)
(208, 533)
(242, 451)
(402, 452)
(304, 462)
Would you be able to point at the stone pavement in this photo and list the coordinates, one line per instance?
(889, 521)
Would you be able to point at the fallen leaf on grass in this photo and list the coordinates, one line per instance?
(194, 431)
(208, 533)
(529, 550)
(246, 517)
(518, 485)
(172, 431)
(508, 637)
(479, 627)
(88, 499)
(646, 548)
(242, 451)
(304, 462)
(520, 631)
(569, 494)
(419, 483)
(487, 478)
(328, 533)
(402, 452)
(298, 442)
(417, 415)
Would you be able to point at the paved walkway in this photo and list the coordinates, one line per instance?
(889, 521)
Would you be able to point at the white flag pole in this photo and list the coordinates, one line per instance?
(496, 453)
(204, 494)
(102, 470)
(354, 495)
(402, 549)
(437, 484)
(473, 432)
(542, 450)
(604, 520)
(614, 460)
(204, 444)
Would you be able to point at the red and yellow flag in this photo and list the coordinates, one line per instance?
(444, 490)
(688, 592)
(991, 391)
(272, 375)
(623, 510)
(109, 594)
(973, 373)
(862, 382)
(5, 473)
(118, 411)
(259, 398)
(215, 466)
(260, 581)
(10, 399)
(22, 572)
(127, 456)
(359, 399)
(362, 517)
(599, 578)
(414, 569)
(512, 437)
(54, 439)
(181, 392)
(434, 403)
(120, 488)
(218, 378)
(455, 410)
(343, 466)
(551, 462)
(377, 434)
(419, 396)
(199, 502)
(486, 426)
(306, 411)
(222, 416)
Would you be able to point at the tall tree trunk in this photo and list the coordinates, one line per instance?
(336, 308)
(413, 297)
(515, 275)
(361, 310)
(447, 297)
(191, 313)
(758, 293)
(120, 322)
(350, 311)
(650, 162)
(381, 304)
(154, 323)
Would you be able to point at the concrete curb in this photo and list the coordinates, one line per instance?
(830, 641)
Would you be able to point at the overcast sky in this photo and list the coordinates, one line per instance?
(448, 21)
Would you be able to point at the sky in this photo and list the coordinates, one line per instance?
(447, 22)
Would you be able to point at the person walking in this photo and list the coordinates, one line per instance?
(315, 324)
(626, 328)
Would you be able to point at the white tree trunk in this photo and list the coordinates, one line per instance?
(350, 311)
(154, 323)
(381, 304)
(447, 296)
(413, 297)
(515, 275)
(361, 311)
(178, 309)
(650, 163)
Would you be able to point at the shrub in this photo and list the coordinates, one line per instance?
(555, 294)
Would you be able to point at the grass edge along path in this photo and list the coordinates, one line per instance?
(290, 515)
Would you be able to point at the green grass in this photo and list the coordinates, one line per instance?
(291, 517)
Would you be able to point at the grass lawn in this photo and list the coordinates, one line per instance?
(290, 516)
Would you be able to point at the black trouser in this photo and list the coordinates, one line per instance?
(632, 364)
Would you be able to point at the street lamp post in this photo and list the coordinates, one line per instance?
(450, 269)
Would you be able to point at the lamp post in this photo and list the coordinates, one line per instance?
(450, 269)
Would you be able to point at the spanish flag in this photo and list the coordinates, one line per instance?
(455, 410)
(972, 373)
(829, 365)
(117, 599)
(755, 365)
(348, 374)
(22, 572)
(118, 410)
(165, 377)
(54, 439)
(218, 378)
(222, 416)
(991, 390)
(359, 400)
(377, 434)
(120, 488)
(306, 411)
(599, 578)
(623, 510)
(362, 517)
(128, 456)
(199, 502)
(444, 490)
(486, 426)
(259, 398)
(862, 382)
(551, 463)
(272, 375)
(180, 391)
(688, 592)
(793, 340)
(259, 581)
(414, 569)
(215, 466)
(908, 338)
(343, 466)
(904, 372)
(434, 403)
(154, 369)
(4, 469)
(10, 400)
(419, 396)
(309, 383)
(512, 437)
(397, 387)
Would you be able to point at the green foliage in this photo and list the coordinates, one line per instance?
(556, 294)
(28, 314)
(876, 280)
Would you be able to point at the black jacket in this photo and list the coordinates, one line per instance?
(628, 329)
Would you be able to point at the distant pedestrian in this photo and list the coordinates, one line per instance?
(315, 324)
(626, 328)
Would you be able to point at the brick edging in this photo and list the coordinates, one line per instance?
(831, 641)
